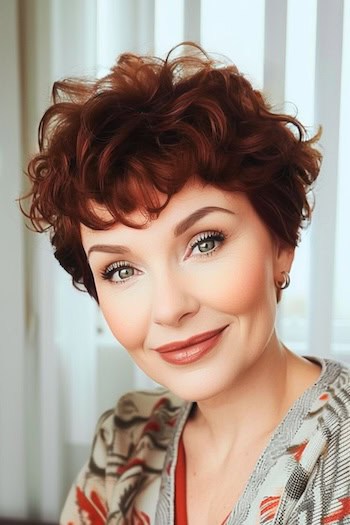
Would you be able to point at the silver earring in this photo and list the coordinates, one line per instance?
(285, 283)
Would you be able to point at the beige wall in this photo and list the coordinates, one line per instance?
(12, 293)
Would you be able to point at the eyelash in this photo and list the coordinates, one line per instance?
(110, 270)
(116, 266)
(210, 235)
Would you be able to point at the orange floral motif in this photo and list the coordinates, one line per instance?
(324, 396)
(139, 518)
(298, 450)
(171, 422)
(162, 402)
(132, 463)
(339, 514)
(92, 507)
(268, 508)
(151, 426)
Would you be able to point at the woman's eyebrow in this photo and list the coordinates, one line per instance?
(179, 229)
(186, 223)
(108, 248)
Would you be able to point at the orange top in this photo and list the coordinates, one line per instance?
(180, 486)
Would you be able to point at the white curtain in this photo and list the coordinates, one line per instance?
(60, 367)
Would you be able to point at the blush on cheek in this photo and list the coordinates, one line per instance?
(238, 286)
(125, 323)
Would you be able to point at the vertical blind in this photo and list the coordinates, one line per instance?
(299, 53)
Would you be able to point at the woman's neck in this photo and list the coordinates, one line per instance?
(256, 403)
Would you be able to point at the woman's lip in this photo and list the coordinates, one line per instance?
(182, 345)
(194, 352)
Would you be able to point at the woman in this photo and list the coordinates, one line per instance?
(176, 197)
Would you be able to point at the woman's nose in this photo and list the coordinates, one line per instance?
(173, 299)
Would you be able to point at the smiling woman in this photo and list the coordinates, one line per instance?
(211, 270)
(175, 196)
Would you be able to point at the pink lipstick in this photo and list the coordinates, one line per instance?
(190, 350)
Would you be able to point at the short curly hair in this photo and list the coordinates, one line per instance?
(148, 126)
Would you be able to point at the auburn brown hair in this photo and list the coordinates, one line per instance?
(150, 125)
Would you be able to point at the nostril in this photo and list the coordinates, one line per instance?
(171, 310)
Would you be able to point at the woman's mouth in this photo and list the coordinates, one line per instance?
(192, 349)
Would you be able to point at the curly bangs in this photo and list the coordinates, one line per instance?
(147, 127)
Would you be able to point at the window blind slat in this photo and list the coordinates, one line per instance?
(275, 49)
(192, 20)
(327, 112)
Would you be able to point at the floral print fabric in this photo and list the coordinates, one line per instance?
(301, 478)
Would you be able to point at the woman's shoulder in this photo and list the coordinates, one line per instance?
(144, 402)
(136, 407)
(334, 384)
(333, 390)
(321, 453)
(126, 459)
(139, 404)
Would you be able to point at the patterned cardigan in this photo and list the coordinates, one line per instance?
(301, 478)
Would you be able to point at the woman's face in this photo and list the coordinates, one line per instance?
(208, 263)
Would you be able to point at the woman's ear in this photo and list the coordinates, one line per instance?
(283, 264)
(284, 259)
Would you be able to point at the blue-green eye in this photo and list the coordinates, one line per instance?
(206, 246)
(124, 273)
(208, 242)
(118, 272)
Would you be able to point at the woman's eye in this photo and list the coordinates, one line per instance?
(206, 246)
(208, 242)
(118, 272)
(124, 273)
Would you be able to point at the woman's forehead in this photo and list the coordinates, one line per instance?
(191, 197)
(184, 209)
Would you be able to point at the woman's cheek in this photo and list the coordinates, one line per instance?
(235, 285)
(126, 316)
